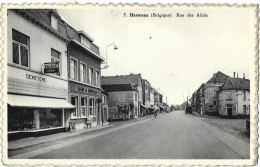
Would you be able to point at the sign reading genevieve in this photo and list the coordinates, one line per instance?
(52, 67)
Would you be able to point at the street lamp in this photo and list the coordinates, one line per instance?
(115, 48)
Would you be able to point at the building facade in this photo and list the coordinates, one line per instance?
(37, 101)
(84, 64)
(122, 97)
(234, 98)
(146, 97)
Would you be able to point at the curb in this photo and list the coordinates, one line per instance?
(14, 149)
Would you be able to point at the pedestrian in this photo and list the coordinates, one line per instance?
(155, 114)
(109, 120)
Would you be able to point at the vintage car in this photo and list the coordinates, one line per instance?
(188, 109)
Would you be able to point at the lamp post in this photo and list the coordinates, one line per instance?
(115, 48)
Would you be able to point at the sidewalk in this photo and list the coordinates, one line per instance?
(28, 142)
(206, 116)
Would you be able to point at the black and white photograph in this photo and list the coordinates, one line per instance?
(130, 84)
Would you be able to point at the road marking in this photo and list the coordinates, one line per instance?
(65, 144)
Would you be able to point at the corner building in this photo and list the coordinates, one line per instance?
(37, 102)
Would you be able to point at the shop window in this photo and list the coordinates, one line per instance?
(20, 119)
(82, 72)
(83, 106)
(20, 48)
(91, 73)
(54, 22)
(91, 107)
(74, 101)
(56, 57)
(73, 69)
(97, 78)
(50, 118)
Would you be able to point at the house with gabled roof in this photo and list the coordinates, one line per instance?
(234, 97)
(122, 96)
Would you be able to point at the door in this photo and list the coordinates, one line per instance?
(229, 112)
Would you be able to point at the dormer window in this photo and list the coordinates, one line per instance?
(84, 41)
(54, 22)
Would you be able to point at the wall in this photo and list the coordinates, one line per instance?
(120, 97)
(209, 99)
(40, 47)
(31, 80)
(83, 56)
(241, 102)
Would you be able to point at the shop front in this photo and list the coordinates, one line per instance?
(35, 106)
(87, 102)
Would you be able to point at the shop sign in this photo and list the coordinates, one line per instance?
(52, 67)
(92, 91)
(35, 78)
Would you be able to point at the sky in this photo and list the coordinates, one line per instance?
(177, 54)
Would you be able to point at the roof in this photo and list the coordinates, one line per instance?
(236, 83)
(116, 83)
(218, 77)
(134, 78)
(41, 18)
(114, 80)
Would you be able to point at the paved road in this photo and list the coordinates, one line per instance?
(174, 135)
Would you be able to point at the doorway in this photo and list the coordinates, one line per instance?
(229, 111)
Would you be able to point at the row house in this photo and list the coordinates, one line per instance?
(37, 100)
(146, 97)
(84, 69)
(234, 98)
(123, 100)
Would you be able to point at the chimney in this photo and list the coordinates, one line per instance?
(237, 75)
(234, 74)
(244, 76)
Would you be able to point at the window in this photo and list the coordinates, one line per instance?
(83, 106)
(214, 103)
(244, 96)
(228, 95)
(91, 106)
(244, 109)
(84, 41)
(82, 72)
(54, 22)
(135, 96)
(97, 78)
(104, 100)
(73, 69)
(74, 101)
(91, 72)
(214, 93)
(55, 57)
(20, 48)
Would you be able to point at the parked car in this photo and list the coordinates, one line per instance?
(188, 109)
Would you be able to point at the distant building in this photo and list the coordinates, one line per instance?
(205, 99)
(146, 97)
(234, 98)
(122, 97)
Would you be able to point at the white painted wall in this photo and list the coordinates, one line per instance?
(41, 43)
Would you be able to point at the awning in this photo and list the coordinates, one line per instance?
(37, 102)
(143, 105)
(154, 107)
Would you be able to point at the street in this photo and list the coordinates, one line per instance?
(174, 135)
